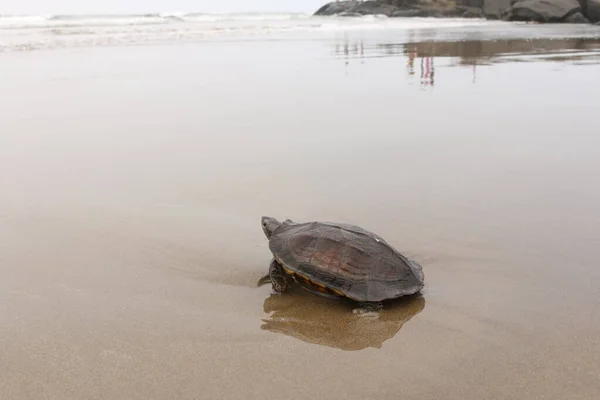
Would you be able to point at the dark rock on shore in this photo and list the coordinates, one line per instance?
(569, 11)
(413, 12)
(542, 10)
(592, 10)
(357, 8)
(473, 13)
(493, 9)
(577, 18)
(391, 8)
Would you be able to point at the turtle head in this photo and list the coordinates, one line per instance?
(269, 225)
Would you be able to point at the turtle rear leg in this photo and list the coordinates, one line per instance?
(368, 307)
(279, 278)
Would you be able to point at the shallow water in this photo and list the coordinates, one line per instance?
(134, 179)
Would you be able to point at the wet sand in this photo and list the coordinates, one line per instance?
(134, 178)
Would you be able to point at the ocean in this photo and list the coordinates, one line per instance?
(36, 32)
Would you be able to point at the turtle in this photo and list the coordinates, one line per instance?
(338, 260)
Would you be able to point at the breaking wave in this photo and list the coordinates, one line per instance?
(24, 33)
(65, 21)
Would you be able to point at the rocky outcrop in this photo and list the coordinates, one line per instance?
(592, 10)
(542, 10)
(569, 11)
(577, 18)
(493, 9)
(357, 8)
(473, 13)
(393, 8)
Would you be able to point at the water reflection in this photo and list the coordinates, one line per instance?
(350, 50)
(317, 320)
(484, 52)
(472, 53)
(427, 71)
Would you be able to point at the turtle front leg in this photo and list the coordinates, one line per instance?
(278, 277)
(368, 307)
(264, 280)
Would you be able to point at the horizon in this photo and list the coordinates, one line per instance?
(147, 13)
(139, 7)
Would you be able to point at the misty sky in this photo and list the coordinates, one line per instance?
(142, 6)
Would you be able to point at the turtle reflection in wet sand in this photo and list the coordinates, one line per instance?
(339, 261)
(316, 320)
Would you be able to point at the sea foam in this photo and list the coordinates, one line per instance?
(57, 31)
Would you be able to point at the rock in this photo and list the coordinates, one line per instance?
(357, 7)
(468, 5)
(407, 13)
(493, 9)
(400, 8)
(592, 10)
(454, 12)
(332, 8)
(542, 10)
(570, 11)
(336, 8)
(473, 13)
(427, 13)
(576, 18)
(471, 3)
(375, 8)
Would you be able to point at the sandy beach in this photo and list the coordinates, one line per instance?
(133, 178)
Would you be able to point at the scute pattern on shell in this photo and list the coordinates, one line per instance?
(347, 258)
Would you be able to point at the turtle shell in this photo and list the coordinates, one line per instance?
(346, 260)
